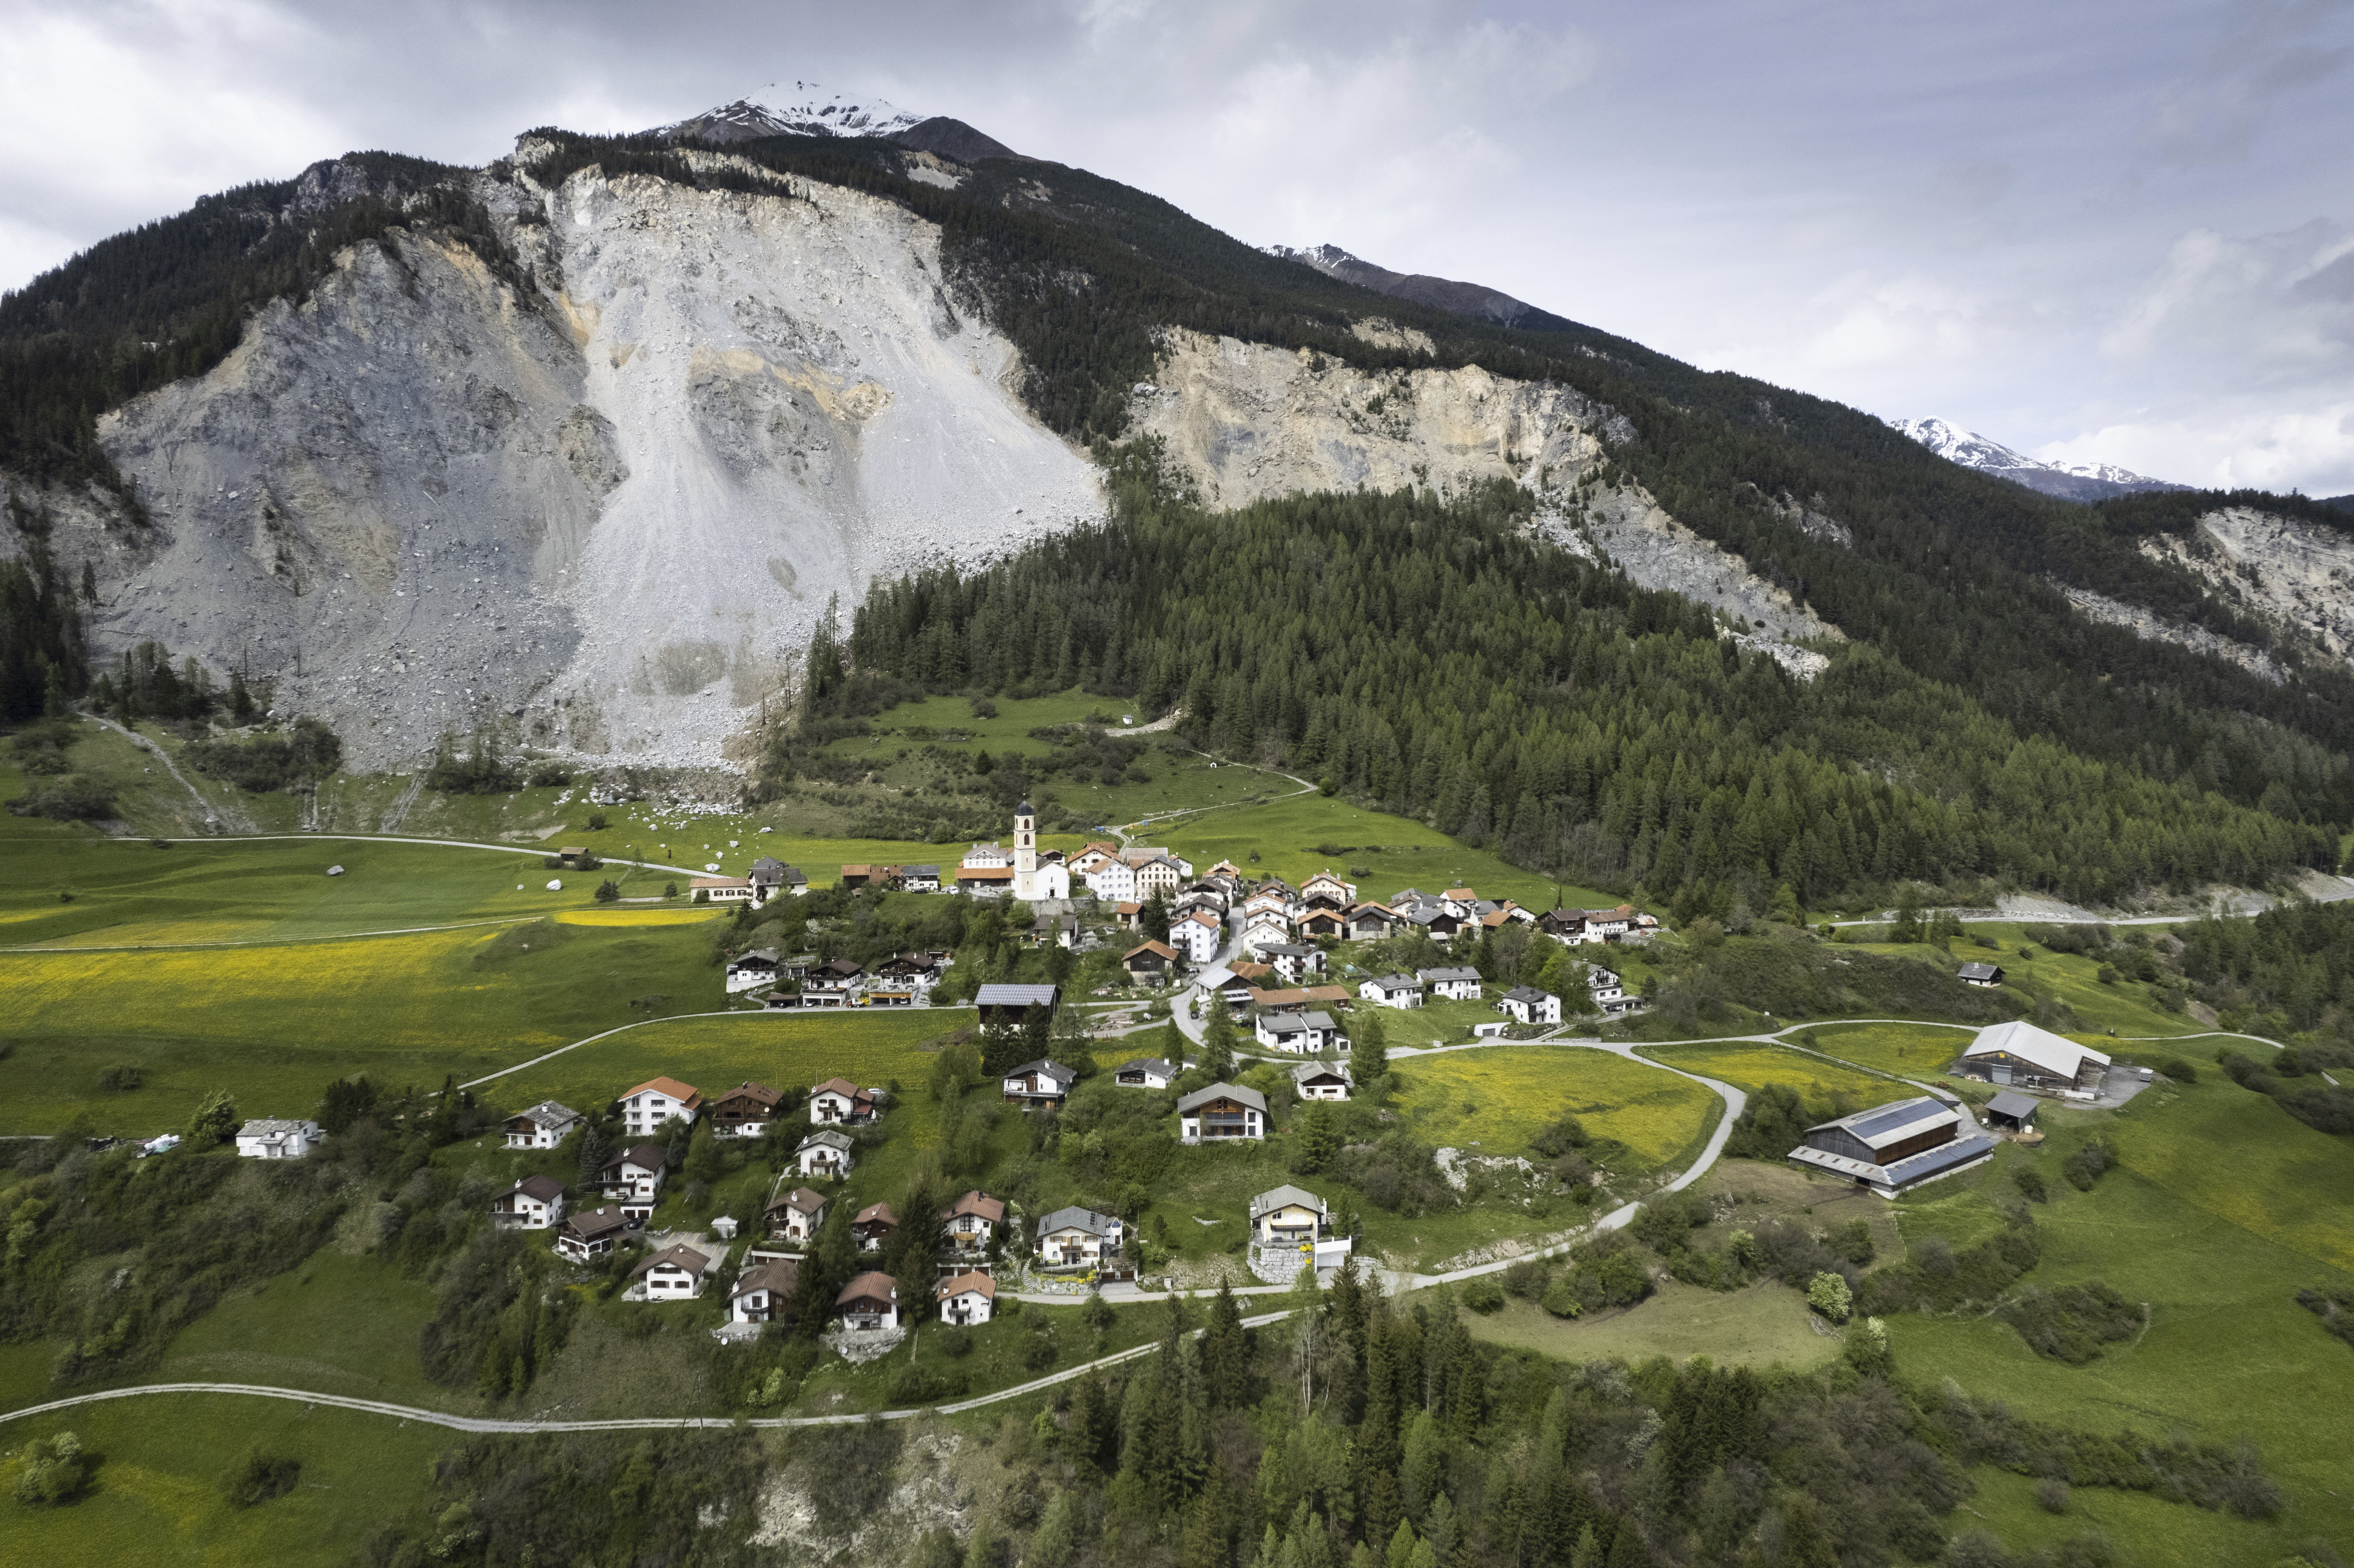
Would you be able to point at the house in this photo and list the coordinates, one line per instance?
(1604, 925)
(1087, 859)
(1039, 1086)
(910, 969)
(968, 1300)
(1125, 914)
(764, 1292)
(840, 1102)
(1149, 961)
(1401, 991)
(719, 890)
(1071, 1238)
(751, 971)
(1054, 930)
(1322, 1080)
(1327, 890)
(873, 1226)
(1318, 924)
(1146, 1073)
(674, 1274)
(1981, 974)
(772, 876)
(633, 1177)
(1293, 962)
(835, 975)
(572, 855)
(2020, 1054)
(656, 1101)
(1300, 998)
(971, 1222)
(1219, 1112)
(277, 1139)
(1141, 855)
(1114, 882)
(1197, 935)
(1287, 1217)
(1369, 922)
(1300, 1033)
(1454, 984)
(2011, 1111)
(1530, 1005)
(1605, 984)
(1432, 921)
(744, 1111)
(854, 877)
(984, 881)
(591, 1235)
(1225, 983)
(1008, 1006)
(1891, 1148)
(919, 879)
(533, 1204)
(991, 856)
(1264, 929)
(868, 1302)
(1564, 925)
(796, 1216)
(1159, 875)
(543, 1126)
(826, 1154)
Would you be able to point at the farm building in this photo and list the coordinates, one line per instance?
(1009, 1006)
(1891, 1148)
(1149, 961)
(543, 1126)
(1981, 974)
(1220, 1112)
(2012, 1111)
(2018, 1053)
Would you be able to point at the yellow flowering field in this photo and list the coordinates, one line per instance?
(1752, 1067)
(686, 916)
(1496, 1098)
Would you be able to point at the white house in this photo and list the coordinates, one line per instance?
(838, 1101)
(1069, 1238)
(764, 1291)
(1401, 991)
(1039, 1086)
(971, 1221)
(1113, 881)
(868, 1302)
(825, 1152)
(277, 1139)
(656, 1101)
(1146, 1073)
(797, 1216)
(1221, 1112)
(1265, 929)
(674, 1273)
(988, 857)
(533, 1204)
(772, 876)
(591, 1234)
(633, 1178)
(1454, 984)
(1197, 935)
(1530, 1005)
(1287, 1217)
(919, 879)
(543, 1127)
(720, 890)
(1300, 1033)
(751, 971)
(1159, 874)
(968, 1300)
(1294, 962)
(1321, 1081)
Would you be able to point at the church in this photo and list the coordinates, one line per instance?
(1031, 880)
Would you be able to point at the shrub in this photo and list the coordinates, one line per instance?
(54, 1471)
(2070, 1323)
(609, 891)
(121, 1080)
(257, 1478)
(954, 1340)
(1482, 1294)
(215, 1121)
(70, 799)
(2051, 1495)
(1854, 1243)
(547, 774)
(1866, 1347)
(1526, 1279)
(1561, 1300)
(2333, 1305)
(2084, 1167)
(2031, 1185)
(1829, 1295)
(597, 822)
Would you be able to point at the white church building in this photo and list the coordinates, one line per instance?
(1031, 880)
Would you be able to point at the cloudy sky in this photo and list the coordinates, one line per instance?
(2108, 231)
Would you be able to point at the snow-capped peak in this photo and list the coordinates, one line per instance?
(2075, 482)
(797, 108)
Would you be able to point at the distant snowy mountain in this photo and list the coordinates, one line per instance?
(1476, 300)
(806, 108)
(2070, 481)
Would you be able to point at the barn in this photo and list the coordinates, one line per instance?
(2020, 1054)
(1890, 1148)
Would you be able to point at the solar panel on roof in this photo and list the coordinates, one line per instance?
(1944, 1157)
(1887, 1119)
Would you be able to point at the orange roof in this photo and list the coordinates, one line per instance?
(871, 1285)
(1249, 970)
(976, 1281)
(1163, 948)
(842, 1086)
(984, 873)
(684, 1094)
(1127, 909)
(719, 882)
(978, 1203)
(1461, 893)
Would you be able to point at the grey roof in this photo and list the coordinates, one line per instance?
(1159, 1067)
(2019, 1106)
(1318, 1020)
(1395, 982)
(543, 1189)
(1016, 996)
(1882, 1123)
(931, 871)
(1980, 972)
(1277, 1197)
(548, 1113)
(1307, 1070)
(1250, 1097)
(1527, 993)
(275, 1129)
(1435, 976)
(1944, 1157)
(767, 866)
(1076, 1219)
(826, 1137)
(1055, 1070)
(1293, 949)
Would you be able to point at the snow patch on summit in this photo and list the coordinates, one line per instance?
(2071, 481)
(797, 108)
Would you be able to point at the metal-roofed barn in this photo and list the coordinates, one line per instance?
(1890, 1148)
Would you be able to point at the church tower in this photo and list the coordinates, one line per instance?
(1026, 853)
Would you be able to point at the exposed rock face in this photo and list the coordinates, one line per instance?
(607, 516)
(2298, 575)
(1244, 421)
(2143, 624)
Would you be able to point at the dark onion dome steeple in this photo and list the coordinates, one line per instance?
(1023, 809)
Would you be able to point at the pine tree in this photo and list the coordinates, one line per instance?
(1369, 1057)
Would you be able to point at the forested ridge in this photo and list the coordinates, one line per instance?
(1432, 658)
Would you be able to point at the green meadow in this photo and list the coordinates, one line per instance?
(1750, 1066)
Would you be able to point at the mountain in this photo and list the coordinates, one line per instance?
(2070, 481)
(806, 108)
(1474, 299)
